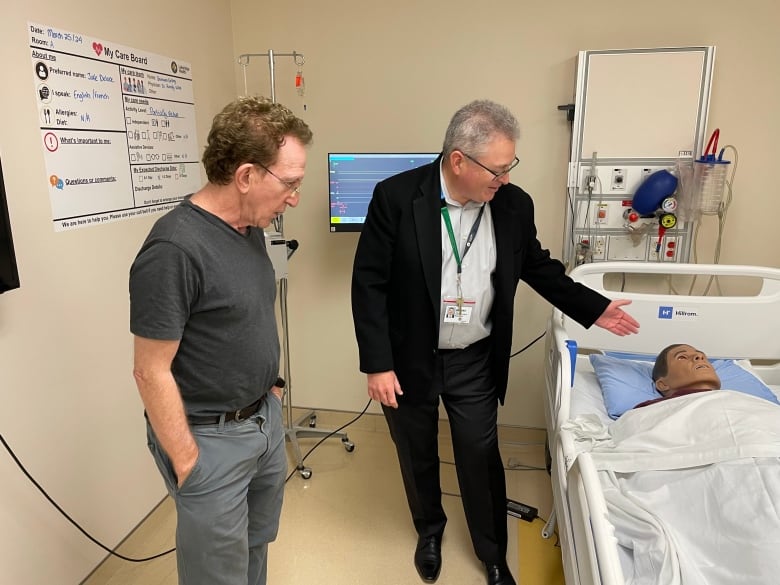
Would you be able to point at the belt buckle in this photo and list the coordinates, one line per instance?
(237, 416)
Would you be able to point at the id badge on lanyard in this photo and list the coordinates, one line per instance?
(458, 311)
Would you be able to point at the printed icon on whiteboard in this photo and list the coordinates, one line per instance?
(51, 142)
(41, 71)
(44, 93)
(55, 181)
(174, 67)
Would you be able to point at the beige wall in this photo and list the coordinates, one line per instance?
(379, 77)
(69, 405)
(387, 76)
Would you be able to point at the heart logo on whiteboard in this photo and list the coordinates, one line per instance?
(98, 48)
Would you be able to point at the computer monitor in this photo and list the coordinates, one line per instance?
(352, 178)
(9, 276)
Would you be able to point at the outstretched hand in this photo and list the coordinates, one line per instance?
(616, 320)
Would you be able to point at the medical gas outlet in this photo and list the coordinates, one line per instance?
(618, 180)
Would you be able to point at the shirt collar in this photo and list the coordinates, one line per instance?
(445, 193)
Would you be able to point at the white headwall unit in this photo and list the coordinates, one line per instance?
(637, 111)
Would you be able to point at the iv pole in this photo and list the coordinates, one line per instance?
(294, 428)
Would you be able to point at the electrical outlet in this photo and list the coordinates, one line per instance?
(599, 247)
(655, 250)
(589, 183)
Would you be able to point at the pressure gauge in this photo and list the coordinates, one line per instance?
(669, 205)
(668, 220)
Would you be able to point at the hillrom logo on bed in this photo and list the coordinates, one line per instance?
(680, 313)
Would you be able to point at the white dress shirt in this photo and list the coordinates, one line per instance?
(476, 270)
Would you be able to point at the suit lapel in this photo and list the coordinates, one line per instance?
(427, 220)
(502, 228)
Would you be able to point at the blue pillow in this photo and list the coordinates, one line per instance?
(625, 382)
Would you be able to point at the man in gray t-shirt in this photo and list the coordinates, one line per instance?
(202, 292)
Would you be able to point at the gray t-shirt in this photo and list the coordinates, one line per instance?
(199, 281)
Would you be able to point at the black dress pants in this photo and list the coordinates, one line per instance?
(464, 382)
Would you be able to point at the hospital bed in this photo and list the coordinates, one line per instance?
(611, 525)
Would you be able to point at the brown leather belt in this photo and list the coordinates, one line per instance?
(234, 415)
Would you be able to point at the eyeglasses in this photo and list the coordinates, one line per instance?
(295, 187)
(496, 175)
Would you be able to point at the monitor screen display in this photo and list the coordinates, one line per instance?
(9, 277)
(352, 178)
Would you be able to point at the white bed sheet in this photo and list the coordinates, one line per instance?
(719, 480)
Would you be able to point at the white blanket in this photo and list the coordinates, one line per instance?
(692, 487)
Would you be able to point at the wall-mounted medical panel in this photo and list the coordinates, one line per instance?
(636, 112)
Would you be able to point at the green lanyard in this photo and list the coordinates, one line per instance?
(470, 240)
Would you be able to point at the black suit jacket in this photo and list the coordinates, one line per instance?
(396, 278)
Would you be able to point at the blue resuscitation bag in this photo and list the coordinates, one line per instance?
(655, 188)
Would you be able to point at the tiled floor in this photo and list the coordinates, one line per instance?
(348, 523)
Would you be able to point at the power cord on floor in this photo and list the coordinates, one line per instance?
(518, 467)
(100, 544)
(71, 520)
(330, 434)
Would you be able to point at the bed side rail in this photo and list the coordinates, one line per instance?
(594, 536)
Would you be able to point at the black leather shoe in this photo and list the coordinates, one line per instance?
(499, 575)
(427, 558)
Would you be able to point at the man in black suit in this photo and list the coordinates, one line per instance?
(455, 236)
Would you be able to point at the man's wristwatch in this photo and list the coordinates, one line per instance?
(280, 383)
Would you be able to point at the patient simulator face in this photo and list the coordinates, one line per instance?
(687, 367)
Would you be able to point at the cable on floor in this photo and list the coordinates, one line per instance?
(96, 541)
(71, 520)
(517, 467)
(330, 434)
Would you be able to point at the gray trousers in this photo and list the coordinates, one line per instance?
(228, 508)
